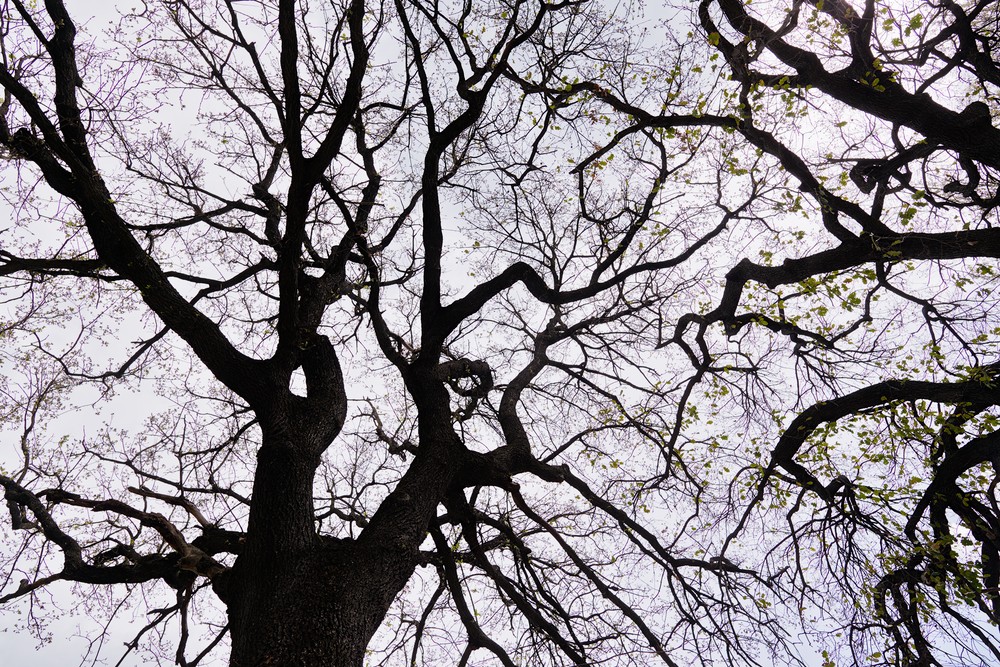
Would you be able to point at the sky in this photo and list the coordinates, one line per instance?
(73, 630)
(73, 627)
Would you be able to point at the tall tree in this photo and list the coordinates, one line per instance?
(503, 333)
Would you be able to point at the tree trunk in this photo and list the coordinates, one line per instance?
(296, 598)
(319, 607)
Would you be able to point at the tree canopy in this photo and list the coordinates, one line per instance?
(507, 332)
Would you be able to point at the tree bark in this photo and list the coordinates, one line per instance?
(295, 597)
(320, 606)
(298, 598)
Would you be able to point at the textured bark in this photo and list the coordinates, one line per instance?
(317, 606)
(298, 598)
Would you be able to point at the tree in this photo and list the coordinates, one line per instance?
(503, 333)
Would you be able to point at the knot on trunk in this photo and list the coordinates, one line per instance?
(468, 378)
(478, 372)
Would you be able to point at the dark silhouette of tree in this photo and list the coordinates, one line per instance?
(504, 332)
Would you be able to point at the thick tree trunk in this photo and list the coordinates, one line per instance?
(296, 598)
(299, 599)
(318, 608)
